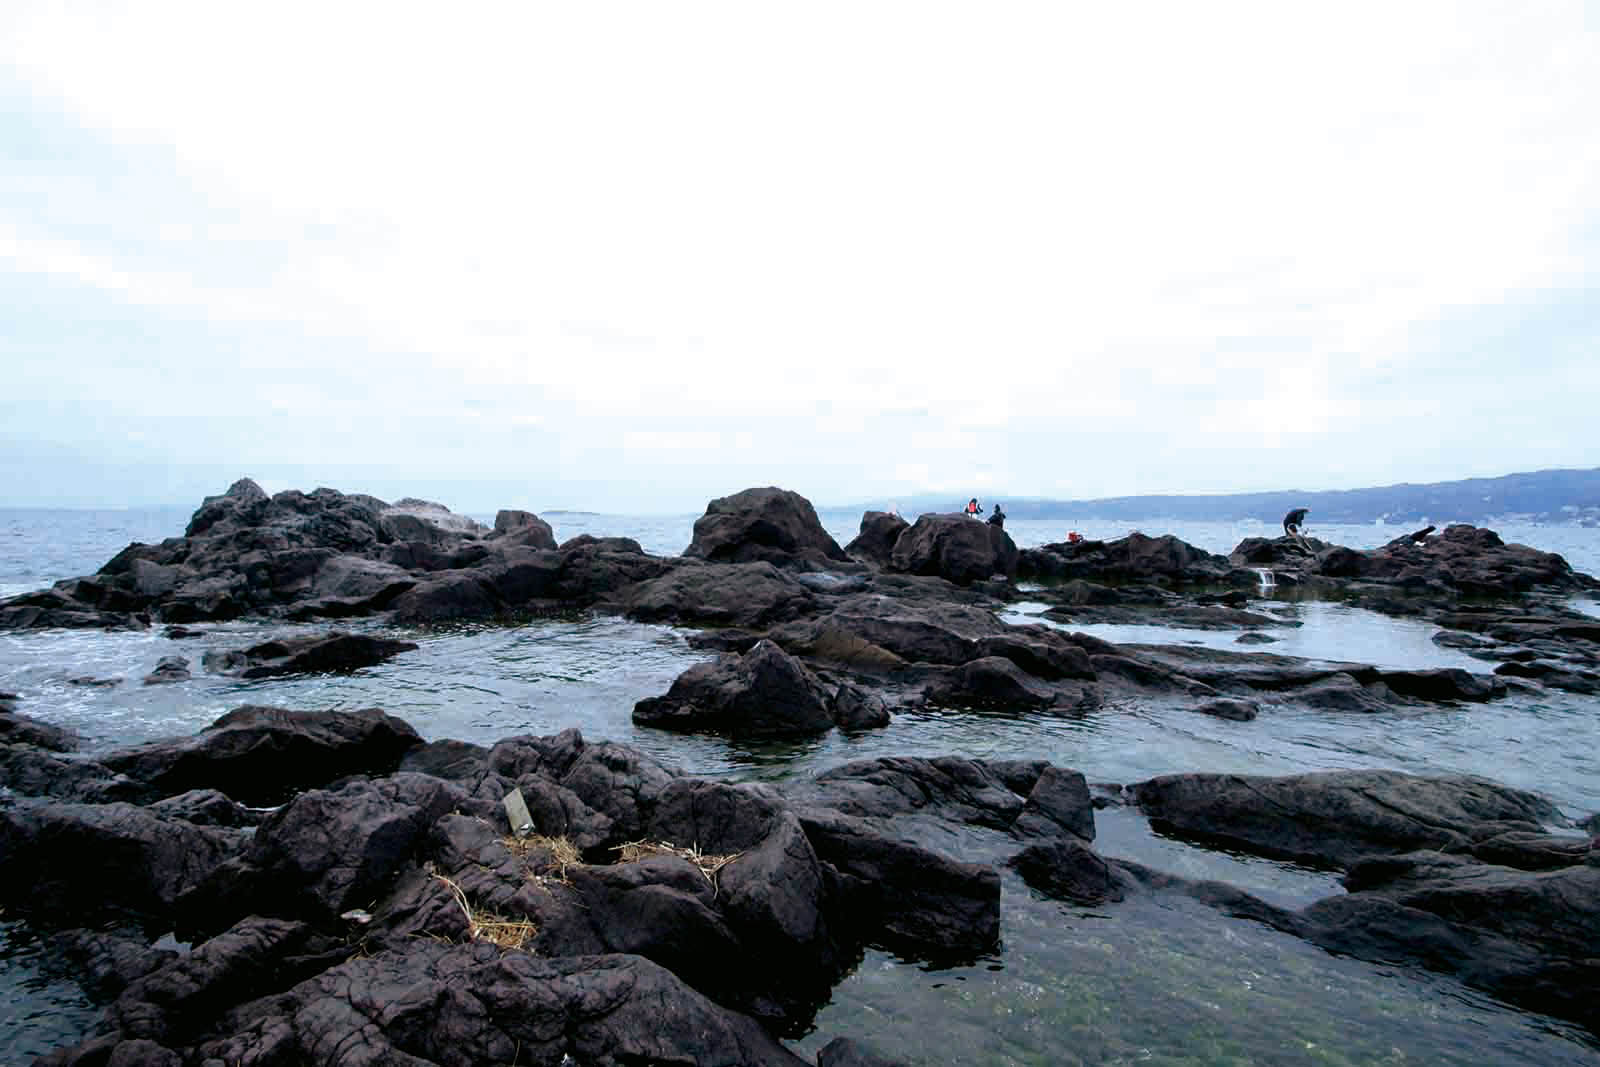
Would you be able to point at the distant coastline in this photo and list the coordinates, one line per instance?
(1545, 498)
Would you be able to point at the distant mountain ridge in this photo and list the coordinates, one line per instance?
(1566, 497)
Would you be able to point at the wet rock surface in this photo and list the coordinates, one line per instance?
(764, 691)
(713, 917)
(650, 916)
(306, 655)
(1337, 817)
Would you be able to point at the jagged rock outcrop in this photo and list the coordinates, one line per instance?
(1462, 560)
(740, 904)
(68, 850)
(762, 692)
(767, 525)
(880, 530)
(956, 548)
(1134, 558)
(327, 554)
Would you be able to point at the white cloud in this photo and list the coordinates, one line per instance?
(1226, 221)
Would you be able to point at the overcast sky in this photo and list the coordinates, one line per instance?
(626, 257)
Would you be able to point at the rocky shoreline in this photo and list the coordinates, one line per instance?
(344, 892)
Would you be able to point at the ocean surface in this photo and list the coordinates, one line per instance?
(1152, 980)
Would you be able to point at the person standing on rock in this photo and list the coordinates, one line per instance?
(973, 509)
(998, 518)
(1291, 527)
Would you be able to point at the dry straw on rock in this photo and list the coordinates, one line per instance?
(486, 926)
(709, 865)
(561, 849)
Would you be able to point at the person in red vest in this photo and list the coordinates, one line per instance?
(973, 509)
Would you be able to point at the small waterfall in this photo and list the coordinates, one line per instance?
(1267, 580)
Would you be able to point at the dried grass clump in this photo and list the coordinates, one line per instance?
(564, 853)
(486, 926)
(709, 865)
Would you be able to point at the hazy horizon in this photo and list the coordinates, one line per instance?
(444, 496)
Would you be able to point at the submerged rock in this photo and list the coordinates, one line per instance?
(1337, 817)
(169, 669)
(317, 653)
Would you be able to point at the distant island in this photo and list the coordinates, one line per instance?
(1564, 497)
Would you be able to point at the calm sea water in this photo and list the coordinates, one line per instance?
(1157, 980)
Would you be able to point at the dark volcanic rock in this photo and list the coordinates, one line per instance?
(1556, 910)
(997, 682)
(169, 669)
(956, 548)
(317, 653)
(847, 1052)
(104, 857)
(448, 597)
(765, 691)
(1444, 683)
(762, 525)
(21, 730)
(951, 787)
(879, 532)
(324, 852)
(1374, 927)
(871, 629)
(525, 527)
(205, 807)
(740, 594)
(34, 772)
(1134, 558)
(1463, 560)
(1552, 675)
(173, 1003)
(904, 896)
(1338, 692)
(259, 755)
(613, 780)
(1336, 817)
(1068, 869)
(1528, 939)
(1237, 710)
(1041, 651)
(773, 894)
(855, 708)
(244, 503)
(462, 1004)
(105, 962)
(1058, 803)
(1533, 852)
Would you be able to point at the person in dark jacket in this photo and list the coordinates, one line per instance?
(1292, 521)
